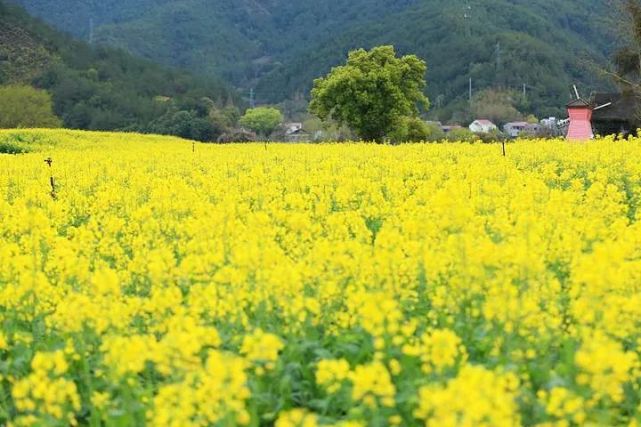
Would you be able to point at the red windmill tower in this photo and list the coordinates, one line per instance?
(580, 113)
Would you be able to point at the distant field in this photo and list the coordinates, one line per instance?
(149, 280)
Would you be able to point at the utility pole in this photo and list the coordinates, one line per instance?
(91, 7)
(91, 26)
(467, 18)
(252, 101)
(439, 101)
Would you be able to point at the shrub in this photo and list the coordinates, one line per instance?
(461, 135)
(25, 107)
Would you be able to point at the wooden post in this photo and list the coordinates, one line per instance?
(52, 180)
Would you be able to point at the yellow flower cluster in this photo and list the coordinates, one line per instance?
(438, 350)
(45, 394)
(606, 367)
(164, 283)
(373, 384)
(261, 348)
(563, 405)
(296, 418)
(476, 397)
(331, 374)
(215, 394)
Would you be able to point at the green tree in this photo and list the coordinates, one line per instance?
(26, 107)
(262, 120)
(372, 93)
(186, 124)
(414, 129)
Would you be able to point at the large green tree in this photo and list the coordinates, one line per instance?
(23, 106)
(372, 93)
(262, 120)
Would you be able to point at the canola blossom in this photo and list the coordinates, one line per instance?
(163, 283)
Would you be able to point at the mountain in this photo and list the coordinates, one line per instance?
(101, 88)
(279, 46)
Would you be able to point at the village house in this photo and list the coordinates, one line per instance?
(482, 126)
(516, 129)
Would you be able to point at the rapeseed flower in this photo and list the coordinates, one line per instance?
(335, 284)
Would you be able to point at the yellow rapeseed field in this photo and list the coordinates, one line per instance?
(166, 283)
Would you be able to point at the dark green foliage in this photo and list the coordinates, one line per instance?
(186, 124)
(414, 129)
(280, 46)
(106, 89)
(10, 147)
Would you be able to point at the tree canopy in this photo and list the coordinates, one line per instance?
(262, 120)
(23, 106)
(372, 93)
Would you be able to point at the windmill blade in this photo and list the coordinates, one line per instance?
(576, 91)
(602, 106)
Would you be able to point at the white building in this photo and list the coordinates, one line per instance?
(483, 126)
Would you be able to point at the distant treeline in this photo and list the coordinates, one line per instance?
(279, 47)
(99, 88)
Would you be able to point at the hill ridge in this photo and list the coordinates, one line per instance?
(278, 47)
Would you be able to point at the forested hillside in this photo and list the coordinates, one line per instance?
(100, 88)
(280, 46)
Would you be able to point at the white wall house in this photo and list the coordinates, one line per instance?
(482, 126)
